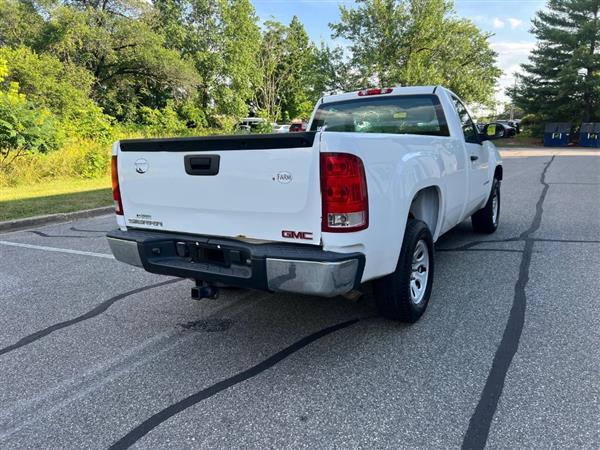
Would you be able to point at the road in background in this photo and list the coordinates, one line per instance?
(94, 352)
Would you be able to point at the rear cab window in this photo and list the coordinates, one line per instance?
(403, 114)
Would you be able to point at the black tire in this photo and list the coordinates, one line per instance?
(393, 292)
(484, 220)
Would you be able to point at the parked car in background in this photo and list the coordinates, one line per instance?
(509, 131)
(362, 196)
(504, 129)
(249, 124)
(281, 128)
(297, 127)
(511, 123)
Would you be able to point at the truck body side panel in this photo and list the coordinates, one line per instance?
(397, 167)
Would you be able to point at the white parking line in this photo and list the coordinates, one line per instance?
(58, 250)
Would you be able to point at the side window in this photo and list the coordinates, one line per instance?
(469, 129)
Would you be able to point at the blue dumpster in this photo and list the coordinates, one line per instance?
(557, 134)
(589, 135)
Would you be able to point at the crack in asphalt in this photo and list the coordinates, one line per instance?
(506, 250)
(566, 241)
(469, 246)
(479, 425)
(41, 233)
(15, 417)
(88, 231)
(165, 414)
(99, 309)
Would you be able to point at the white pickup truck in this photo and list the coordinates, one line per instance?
(362, 196)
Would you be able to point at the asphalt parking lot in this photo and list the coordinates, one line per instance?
(94, 353)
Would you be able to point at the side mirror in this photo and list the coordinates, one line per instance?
(493, 131)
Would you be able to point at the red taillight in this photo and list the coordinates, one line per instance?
(375, 91)
(115, 187)
(343, 193)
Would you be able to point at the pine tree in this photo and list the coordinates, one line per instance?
(562, 79)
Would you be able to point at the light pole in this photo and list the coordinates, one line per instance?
(512, 103)
(584, 73)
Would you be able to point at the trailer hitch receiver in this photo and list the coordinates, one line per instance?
(204, 290)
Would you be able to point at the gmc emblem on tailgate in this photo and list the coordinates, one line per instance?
(306, 235)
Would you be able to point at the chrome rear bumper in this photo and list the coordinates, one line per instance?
(125, 251)
(303, 269)
(327, 279)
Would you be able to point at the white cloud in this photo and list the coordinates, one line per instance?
(510, 56)
(515, 23)
(497, 23)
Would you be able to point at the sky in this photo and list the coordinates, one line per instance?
(509, 20)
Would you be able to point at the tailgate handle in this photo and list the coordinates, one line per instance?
(202, 164)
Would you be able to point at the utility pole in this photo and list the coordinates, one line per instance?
(583, 74)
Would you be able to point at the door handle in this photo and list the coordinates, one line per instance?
(474, 157)
(201, 164)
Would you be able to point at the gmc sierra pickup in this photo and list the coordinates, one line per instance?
(363, 195)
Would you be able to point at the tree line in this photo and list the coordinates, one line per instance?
(84, 67)
(561, 81)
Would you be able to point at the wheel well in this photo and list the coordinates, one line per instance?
(498, 173)
(425, 206)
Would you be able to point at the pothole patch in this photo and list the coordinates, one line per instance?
(208, 325)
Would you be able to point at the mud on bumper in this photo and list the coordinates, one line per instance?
(272, 267)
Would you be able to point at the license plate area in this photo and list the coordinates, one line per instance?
(198, 252)
(212, 255)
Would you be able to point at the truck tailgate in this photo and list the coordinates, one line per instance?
(262, 187)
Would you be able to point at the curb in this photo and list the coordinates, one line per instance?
(522, 152)
(19, 224)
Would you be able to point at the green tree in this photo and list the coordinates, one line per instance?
(20, 23)
(562, 78)
(222, 39)
(297, 61)
(416, 42)
(286, 62)
(24, 126)
(273, 75)
(128, 59)
(331, 72)
(114, 40)
(241, 43)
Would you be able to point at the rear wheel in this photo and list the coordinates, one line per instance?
(403, 295)
(487, 218)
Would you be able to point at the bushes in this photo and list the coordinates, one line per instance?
(24, 127)
(158, 122)
(77, 159)
(50, 128)
(62, 88)
(44, 105)
(532, 125)
(49, 111)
